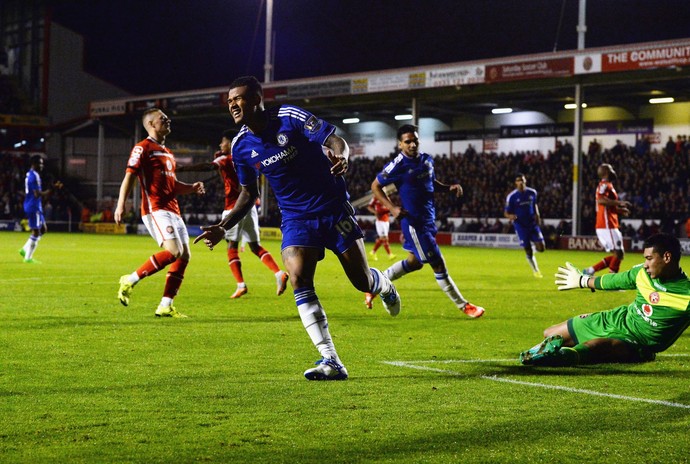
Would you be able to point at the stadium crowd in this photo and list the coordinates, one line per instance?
(654, 181)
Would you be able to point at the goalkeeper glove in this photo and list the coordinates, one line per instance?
(570, 277)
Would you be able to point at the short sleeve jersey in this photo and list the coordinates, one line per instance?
(32, 183)
(607, 216)
(230, 181)
(414, 179)
(289, 153)
(382, 213)
(154, 165)
(661, 310)
(523, 205)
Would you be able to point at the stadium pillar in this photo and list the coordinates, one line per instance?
(577, 157)
(99, 163)
(577, 152)
(415, 112)
(268, 56)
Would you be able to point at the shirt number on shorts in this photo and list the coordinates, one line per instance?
(345, 227)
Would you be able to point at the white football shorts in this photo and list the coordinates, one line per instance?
(382, 228)
(610, 239)
(247, 228)
(165, 225)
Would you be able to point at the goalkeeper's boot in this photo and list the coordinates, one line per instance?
(373, 255)
(168, 311)
(546, 353)
(473, 310)
(281, 282)
(391, 256)
(326, 369)
(391, 301)
(125, 290)
(538, 275)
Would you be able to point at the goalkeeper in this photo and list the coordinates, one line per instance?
(630, 333)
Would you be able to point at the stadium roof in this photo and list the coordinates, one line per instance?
(626, 76)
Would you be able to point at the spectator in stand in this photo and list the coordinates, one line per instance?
(670, 146)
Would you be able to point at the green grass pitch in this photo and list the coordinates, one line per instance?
(84, 379)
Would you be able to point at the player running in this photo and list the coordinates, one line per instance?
(286, 144)
(247, 228)
(413, 174)
(522, 210)
(629, 333)
(154, 165)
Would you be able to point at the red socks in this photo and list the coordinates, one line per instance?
(155, 263)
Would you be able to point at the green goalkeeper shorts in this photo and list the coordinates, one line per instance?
(607, 324)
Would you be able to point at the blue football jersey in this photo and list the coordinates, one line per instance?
(414, 179)
(522, 204)
(32, 182)
(290, 154)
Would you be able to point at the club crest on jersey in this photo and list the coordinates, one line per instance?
(169, 229)
(654, 297)
(282, 139)
(313, 124)
(168, 164)
(647, 309)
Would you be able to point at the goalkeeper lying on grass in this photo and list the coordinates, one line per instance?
(633, 333)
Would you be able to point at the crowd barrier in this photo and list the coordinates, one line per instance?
(468, 239)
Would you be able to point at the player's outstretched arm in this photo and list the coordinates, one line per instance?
(570, 277)
(211, 235)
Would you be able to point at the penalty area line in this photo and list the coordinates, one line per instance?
(542, 385)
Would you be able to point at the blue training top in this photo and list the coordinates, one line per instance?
(290, 154)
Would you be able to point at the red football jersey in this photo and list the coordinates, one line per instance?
(230, 180)
(154, 165)
(607, 216)
(382, 213)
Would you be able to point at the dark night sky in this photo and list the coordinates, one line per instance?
(153, 46)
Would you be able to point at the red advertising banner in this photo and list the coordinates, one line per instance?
(656, 57)
(539, 69)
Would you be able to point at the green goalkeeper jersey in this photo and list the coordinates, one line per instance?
(661, 310)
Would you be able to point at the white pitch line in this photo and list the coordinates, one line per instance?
(542, 385)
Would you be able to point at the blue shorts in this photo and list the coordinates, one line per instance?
(336, 232)
(421, 241)
(36, 219)
(528, 234)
